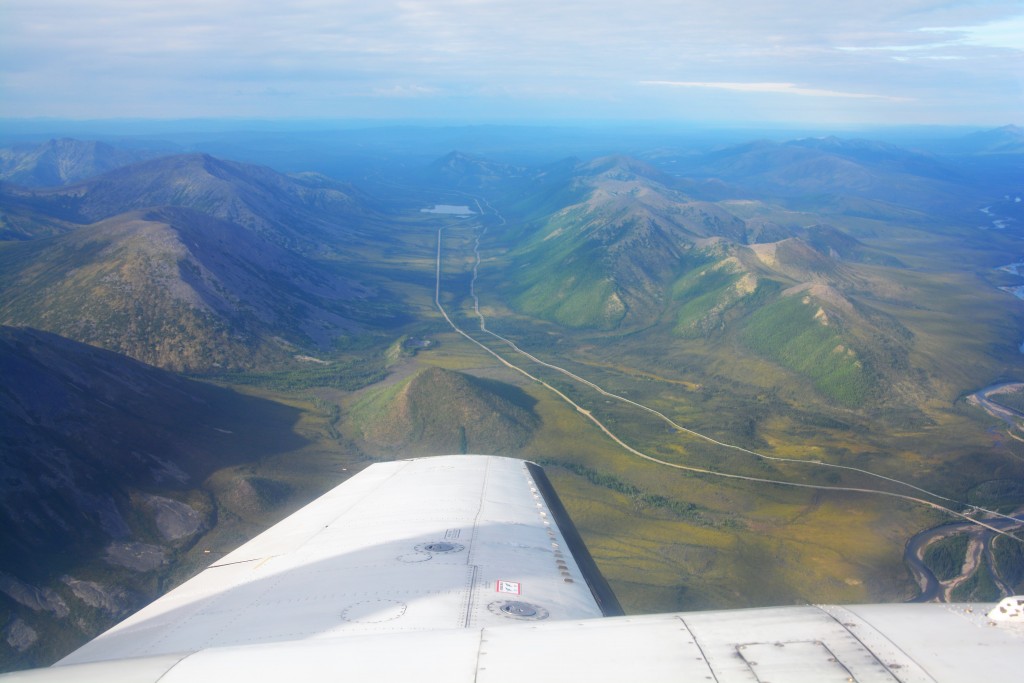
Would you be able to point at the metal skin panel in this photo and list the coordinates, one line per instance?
(724, 637)
(455, 568)
(436, 656)
(951, 642)
(138, 670)
(796, 662)
(779, 644)
(611, 650)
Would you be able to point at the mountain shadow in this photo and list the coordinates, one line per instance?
(104, 462)
(82, 427)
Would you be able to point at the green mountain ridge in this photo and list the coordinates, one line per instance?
(784, 302)
(637, 254)
(606, 261)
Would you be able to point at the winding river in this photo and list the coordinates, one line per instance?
(913, 554)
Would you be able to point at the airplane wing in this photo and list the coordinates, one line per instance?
(467, 568)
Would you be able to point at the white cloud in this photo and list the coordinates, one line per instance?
(69, 57)
(1007, 34)
(405, 91)
(777, 88)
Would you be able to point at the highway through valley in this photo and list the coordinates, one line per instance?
(995, 523)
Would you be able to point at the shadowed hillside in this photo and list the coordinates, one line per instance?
(180, 289)
(103, 460)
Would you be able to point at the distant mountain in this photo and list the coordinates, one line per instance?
(101, 459)
(467, 171)
(181, 290)
(1005, 140)
(881, 155)
(305, 212)
(822, 171)
(441, 411)
(63, 161)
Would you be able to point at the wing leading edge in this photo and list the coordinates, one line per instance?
(467, 568)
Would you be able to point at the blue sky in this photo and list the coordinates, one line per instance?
(725, 61)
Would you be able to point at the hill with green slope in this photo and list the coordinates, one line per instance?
(798, 333)
(441, 411)
(784, 302)
(606, 261)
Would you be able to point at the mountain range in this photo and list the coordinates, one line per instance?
(634, 252)
(63, 161)
(304, 212)
(192, 263)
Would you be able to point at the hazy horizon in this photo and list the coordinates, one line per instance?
(452, 62)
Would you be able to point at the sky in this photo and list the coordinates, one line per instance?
(863, 62)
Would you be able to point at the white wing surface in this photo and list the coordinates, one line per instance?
(415, 545)
(465, 568)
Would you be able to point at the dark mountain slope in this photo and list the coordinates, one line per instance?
(80, 426)
(102, 461)
(20, 220)
(181, 290)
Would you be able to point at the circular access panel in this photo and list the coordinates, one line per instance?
(440, 547)
(518, 609)
(374, 611)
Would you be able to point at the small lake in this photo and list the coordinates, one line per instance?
(450, 209)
